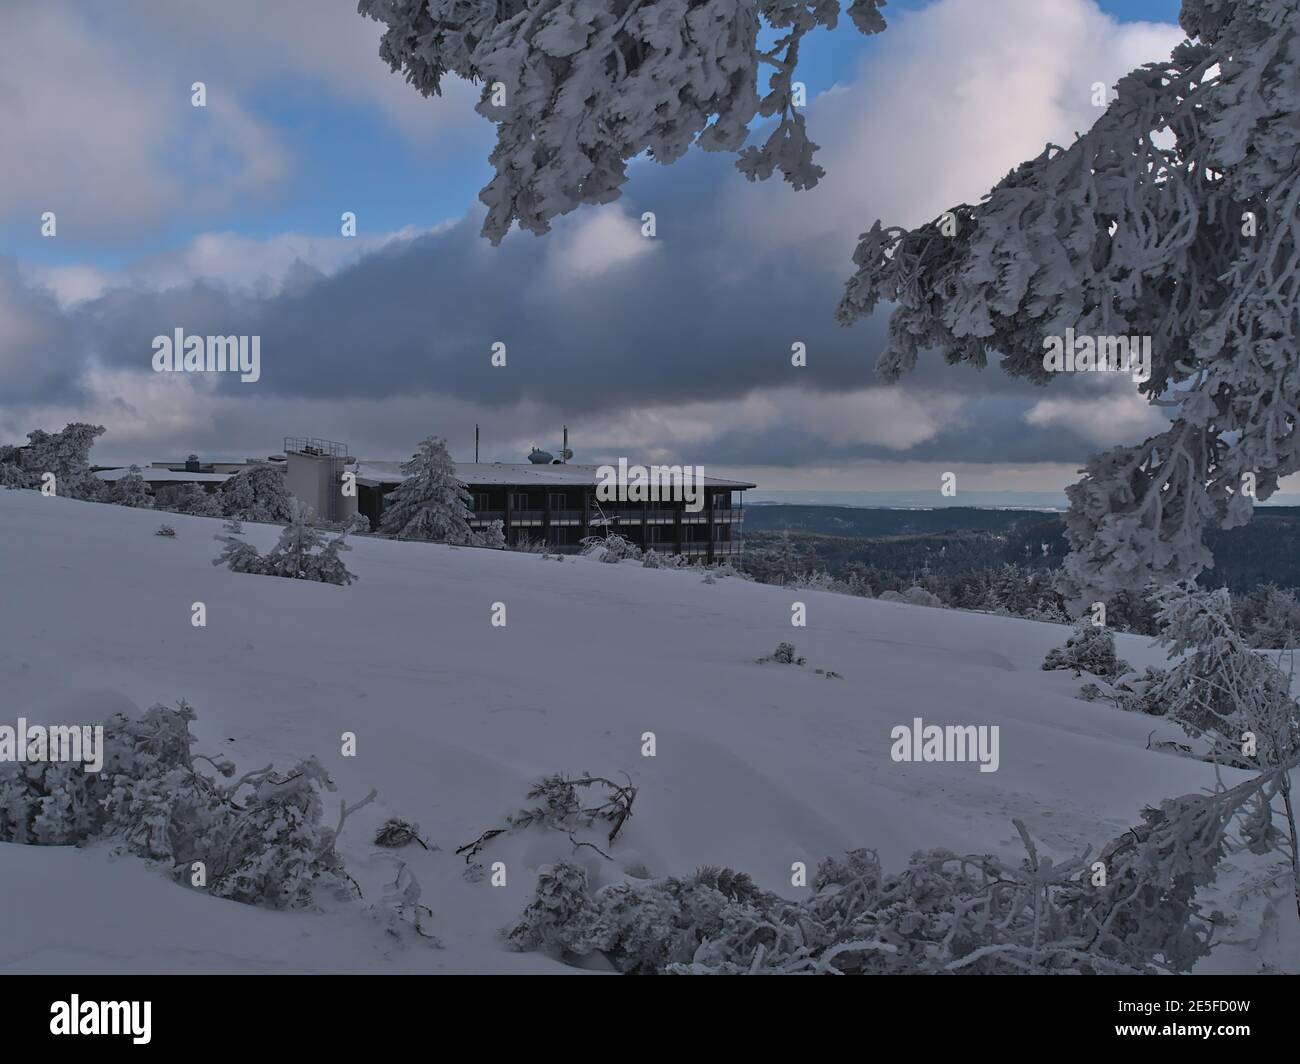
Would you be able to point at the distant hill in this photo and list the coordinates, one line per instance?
(864, 521)
(1267, 550)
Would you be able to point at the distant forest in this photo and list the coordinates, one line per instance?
(1002, 561)
(959, 539)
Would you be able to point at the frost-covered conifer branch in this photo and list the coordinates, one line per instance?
(1176, 217)
(578, 88)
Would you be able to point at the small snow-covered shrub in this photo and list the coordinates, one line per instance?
(784, 654)
(611, 548)
(188, 499)
(914, 596)
(652, 559)
(166, 530)
(493, 536)
(814, 581)
(260, 838)
(1090, 649)
(15, 476)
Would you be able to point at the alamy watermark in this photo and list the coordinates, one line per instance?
(656, 483)
(103, 1017)
(179, 353)
(37, 743)
(952, 742)
(1098, 354)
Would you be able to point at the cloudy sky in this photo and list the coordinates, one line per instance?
(226, 220)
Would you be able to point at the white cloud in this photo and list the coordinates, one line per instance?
(955, 96)
(1105, 421)
(324, 41)
(601, 239)
(893, 417)
(94, 134)
(242, 264)
(95, 116)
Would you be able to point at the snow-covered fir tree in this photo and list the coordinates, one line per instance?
(66, 454)
(256, 494)
(1190, 239)
(131, 490)
(431, 503)
(1220, 685)
(302, 552)
(578, 88)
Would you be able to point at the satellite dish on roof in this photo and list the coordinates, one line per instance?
(540, 457)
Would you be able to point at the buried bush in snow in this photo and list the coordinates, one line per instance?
(260, 838)
(1132, 693)
(560, 806)
(1090, 649)
(301, 554)
(396, 833)
(166, 530)
(945, 913)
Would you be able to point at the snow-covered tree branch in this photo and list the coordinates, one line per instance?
(1177, 216)
(579, 87)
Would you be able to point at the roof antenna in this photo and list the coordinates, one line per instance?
(476, 444)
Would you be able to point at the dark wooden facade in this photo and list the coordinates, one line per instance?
(560, 515)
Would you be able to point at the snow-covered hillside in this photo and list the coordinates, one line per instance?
(757, 766)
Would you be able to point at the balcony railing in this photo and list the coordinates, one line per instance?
(527, 517)
(483, 517)
(567, 517)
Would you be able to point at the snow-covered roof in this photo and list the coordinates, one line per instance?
(161, 476)
(488, 474)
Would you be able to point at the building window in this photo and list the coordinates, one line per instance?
(518, 501)
(556, 501)
(482, 502)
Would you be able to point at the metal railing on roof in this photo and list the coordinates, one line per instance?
(313, 446)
